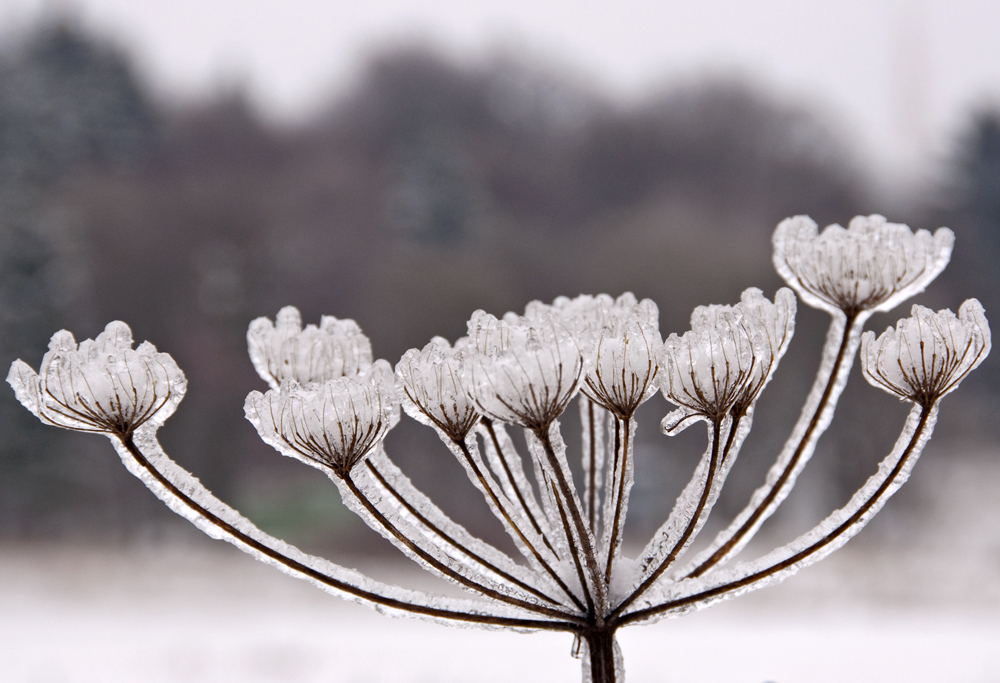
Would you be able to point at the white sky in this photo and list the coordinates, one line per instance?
(896, 76)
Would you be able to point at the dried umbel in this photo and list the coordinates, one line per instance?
(873, 265)
(333, 425)
(283, 350)
(524, 372)
(101, 386)
(331, 406)
(928, 354)
(433, 390)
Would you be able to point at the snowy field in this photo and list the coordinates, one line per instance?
(925, 609)
(211, 614)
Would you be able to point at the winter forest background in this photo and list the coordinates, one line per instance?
(429, 189)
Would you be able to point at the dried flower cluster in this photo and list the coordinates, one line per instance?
(331, 406)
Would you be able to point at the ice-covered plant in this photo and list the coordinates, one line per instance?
(330, 405)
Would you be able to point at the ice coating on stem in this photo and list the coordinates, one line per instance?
(186, 496)
(927, 355)
(284, 350)
(507, 465)
(619, 478)
(832, 533)
(594, 455)
(395, 478)
(102, 385)
(873, 265)
(332, 426)
(369, 495)
(669, 542)
(841, 345)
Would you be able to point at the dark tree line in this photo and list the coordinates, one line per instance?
(429, 190)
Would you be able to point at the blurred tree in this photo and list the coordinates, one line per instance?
(66, 102)
(427, 191)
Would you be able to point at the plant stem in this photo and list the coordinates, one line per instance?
(763, 507)
(638, 615)
(241, 538)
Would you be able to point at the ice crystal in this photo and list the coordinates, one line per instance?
(283, 350)
(104, 385)
(525, 372)
(623, 367)
(433, 390)
(928, 354)
(727, 357)
(333, 425)
(873, 265)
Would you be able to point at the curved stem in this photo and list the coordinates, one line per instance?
(576, 515)
(506, 515)
(713, 466)
(832, 536)
(442, 567)
(620, 493)
(808, 438)
(452, 542)
(238, 536)
(488, 423)
(592, 469)
(575, 554)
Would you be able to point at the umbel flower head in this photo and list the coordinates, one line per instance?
(523, 371)
(332, 426)
(928, 354)
(433, 390)
(102, 385)
(623, 367)
(873, 265)
(588, 317)
(283, 350)
(722, 364)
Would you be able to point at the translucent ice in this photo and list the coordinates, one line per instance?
(928, 354)
(101, 386)
(283, 350)
(873, 265)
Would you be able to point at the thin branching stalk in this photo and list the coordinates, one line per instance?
(846, 526)
(442, 567)
(779, 488)
(452, 542)
(252, 544)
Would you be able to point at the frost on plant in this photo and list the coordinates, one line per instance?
(102, 385)
(331, 405)
(872, 265)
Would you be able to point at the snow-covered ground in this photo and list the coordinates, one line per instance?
(924, 610)
(210, 614)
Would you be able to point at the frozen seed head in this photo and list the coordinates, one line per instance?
(523, 371)
(721, 365)
(588, 317)
(772, 326)
(873, 265)
(332, 426)
(928, 354)
(433, 390)
(104, 385)
(283, 350)
(622, 369)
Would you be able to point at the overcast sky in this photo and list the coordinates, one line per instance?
(896, 77)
